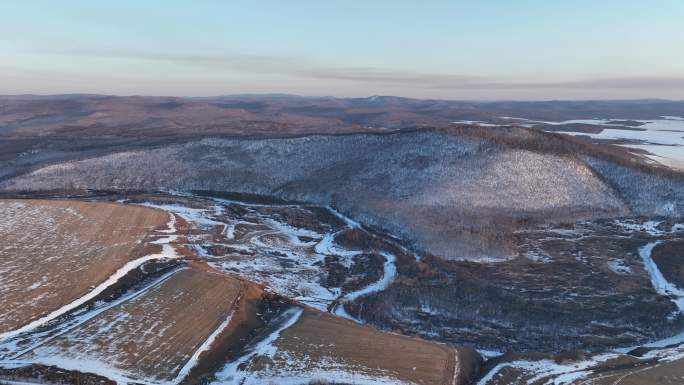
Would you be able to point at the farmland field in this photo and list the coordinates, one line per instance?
(194, 320)
(53, 252)
(151, 337)
(341, 193)
(232, 300)
(320, 346)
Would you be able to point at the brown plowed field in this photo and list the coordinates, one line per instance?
(53, 252)
(320, 342)
(669, 373)
(149, 338)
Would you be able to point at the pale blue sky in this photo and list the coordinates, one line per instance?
(490, 49)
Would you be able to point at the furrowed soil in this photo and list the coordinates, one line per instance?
(251, 315)
(320, 342)
(150, 338)
(669, 373)
(53, 252)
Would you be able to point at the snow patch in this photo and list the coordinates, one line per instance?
(350, 222)
(89, 366)
(619, 267)
(192, 362)
(232, 374)
(339, 376)
(554, 373)
(489, 353)
(650, 227)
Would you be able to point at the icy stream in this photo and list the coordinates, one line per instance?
(660, 284)
(665, 350)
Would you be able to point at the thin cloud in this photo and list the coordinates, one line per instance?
(303, 69)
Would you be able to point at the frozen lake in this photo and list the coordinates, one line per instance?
(662, 138)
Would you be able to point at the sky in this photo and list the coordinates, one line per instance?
(470, 50)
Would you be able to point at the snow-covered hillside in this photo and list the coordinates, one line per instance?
(450, 195)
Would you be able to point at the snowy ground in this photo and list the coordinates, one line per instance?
(287, 248)
(550, 372)
(263, 247)
(665, 350)
(663, 138)
(30, 344)
(11, 348)
(152, 338)
(259, 244)
(61, 255)
(660, 284)
(168, 252)
(303, 346)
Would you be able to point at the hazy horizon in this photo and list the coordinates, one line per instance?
(452, 50)
(279, 94)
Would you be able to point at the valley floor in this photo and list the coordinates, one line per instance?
(222, 291)
(196, 313)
